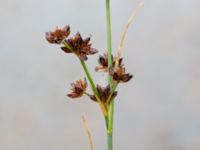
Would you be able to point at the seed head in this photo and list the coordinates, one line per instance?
(103, 63)
(58, 35)
(78, 88)
(81, 47)
(104, 93)
(119, 74)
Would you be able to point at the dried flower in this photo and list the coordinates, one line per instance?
(103, 63)
(57, 36)
(81, 47)
(119, 74)
(78, 88)
(104, 94)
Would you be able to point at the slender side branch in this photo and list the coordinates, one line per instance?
(130, 20)
(89, 77)
(105, 113)
(94, 88)
(87, 129)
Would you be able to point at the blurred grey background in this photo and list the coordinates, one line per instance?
(158, 110)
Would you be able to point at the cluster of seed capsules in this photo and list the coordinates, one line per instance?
(82, 48)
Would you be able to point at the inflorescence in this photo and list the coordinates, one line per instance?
(82, 48)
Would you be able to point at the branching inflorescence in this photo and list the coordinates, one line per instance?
(82, 48)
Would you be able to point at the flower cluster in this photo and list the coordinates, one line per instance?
(105, 94)
(76, 44)
(58, 35)
(119, 74)
(81, 47)
(103, 63)
(78, 88)
(117, 71)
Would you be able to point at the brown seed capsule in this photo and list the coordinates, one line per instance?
(119, 74)
(78, 88)
(104, 93)
(58, 35)
(81, 47)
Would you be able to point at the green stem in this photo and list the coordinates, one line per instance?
(110, 125)
(96, 93)
(109, 34)
(85, 69)
(110, 141)
(106, 121)
(89, 77)
(102, 106)
(109, 120)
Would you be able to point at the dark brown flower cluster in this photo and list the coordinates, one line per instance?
(78, 88)
(76, 44)
(105, 94)
(81, 47)
(118, 72)
(58, 35)
(103, 63)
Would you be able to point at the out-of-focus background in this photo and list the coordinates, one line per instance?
(158, 110)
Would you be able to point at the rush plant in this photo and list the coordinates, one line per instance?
(81, 47)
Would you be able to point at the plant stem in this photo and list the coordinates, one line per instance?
(96, 93)
(109, 120)
(109, 34)
(102, 106)
(85, 69)
(110, 124)
(89, 77)
(110, 141)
